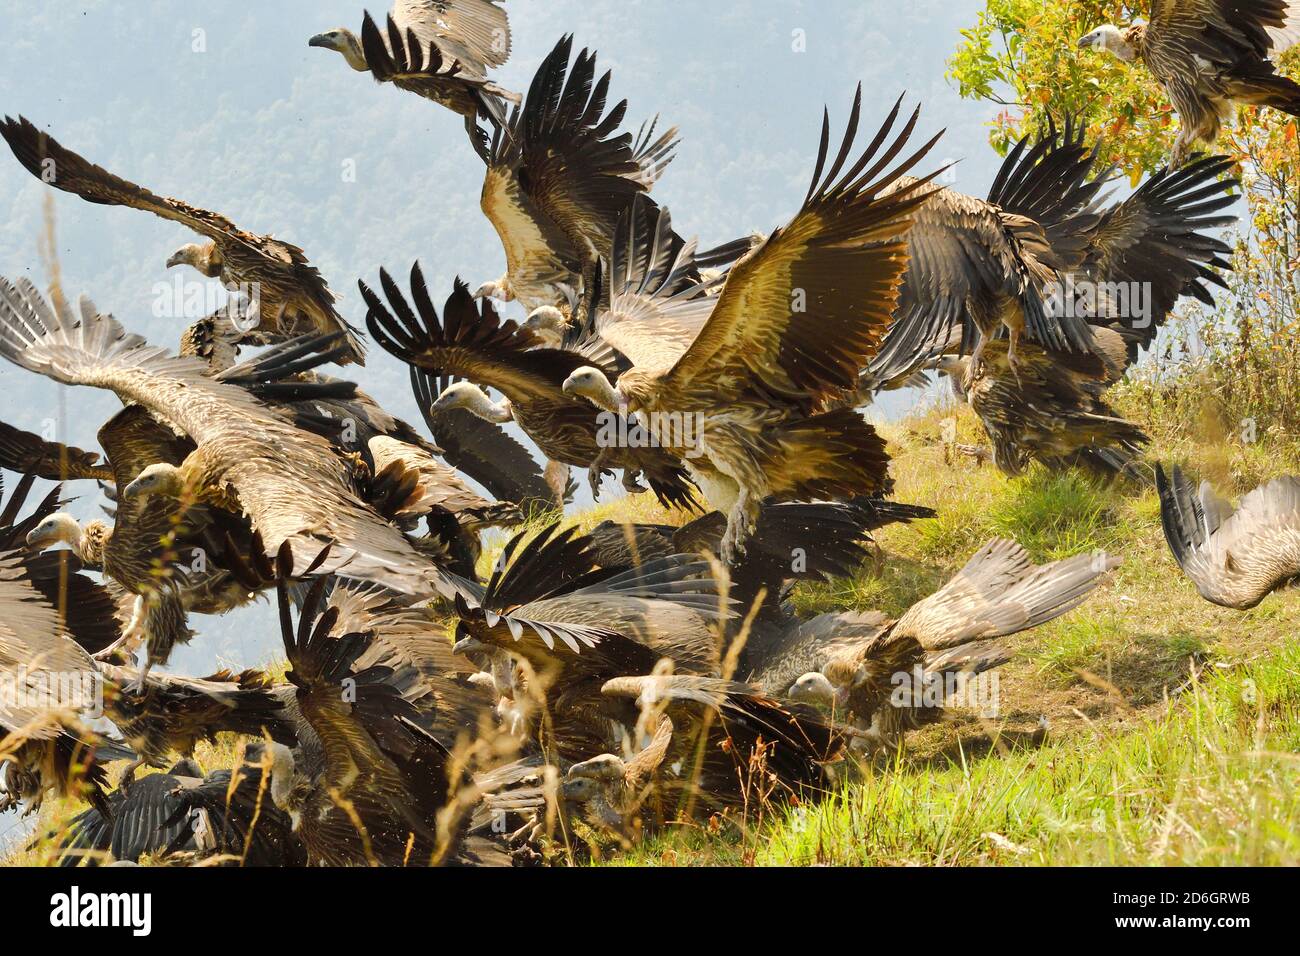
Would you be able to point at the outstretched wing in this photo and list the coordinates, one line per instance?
(475, 32)
(800, 315)
(30, 454)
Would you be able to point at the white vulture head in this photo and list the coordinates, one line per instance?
(590, 383)
(344, 41)
(60, 528)
(816, 688)
(160, 479)
(201, 257)
(547, 323)
(1109, 38)
(498, 289)
(473, 399)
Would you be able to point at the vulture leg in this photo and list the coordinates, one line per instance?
(596, 471)
(630, 484)
(740, 524)
(128, 775)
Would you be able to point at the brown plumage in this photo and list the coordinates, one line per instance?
(1235, 558)
(437, 49)
(795, 323)
(31, 454)
(288, 295)
(1209, 55)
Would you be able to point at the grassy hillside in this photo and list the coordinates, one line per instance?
(1145, 727)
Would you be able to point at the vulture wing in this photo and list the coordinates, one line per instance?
(1001, 591)
(1235, 558)
(475, 32)
(31, 454)
(1155, 240)
(291, 483)
(801, 314)
(1221, 31)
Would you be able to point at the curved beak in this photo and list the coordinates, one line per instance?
(35, 538)
(131, 490)
(177, 258)
(1085, 42)
(321, 39)
(468, 645)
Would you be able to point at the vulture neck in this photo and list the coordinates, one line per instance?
(1127, 45)
(479, 405)
(351, 51)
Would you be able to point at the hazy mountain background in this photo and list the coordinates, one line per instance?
(224, 104)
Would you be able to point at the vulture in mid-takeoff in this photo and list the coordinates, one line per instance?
(559, 177)
(285, 295)
(438, 49)
(1209, 55)
(795, 323)
(1235, 558)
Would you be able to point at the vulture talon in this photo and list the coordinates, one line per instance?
(631, 485)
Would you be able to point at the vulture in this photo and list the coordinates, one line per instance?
(1235, 558)
(982, 265)
(569, 626)
(472, 342)
(50, 689)
(438, 49)
(366, 782)
(715, 745)
(225, 814)
(851, 661)
(1209, 55)
(286, 295)
(558, 179)
(248, 458)
(747, 404)
(1049, 405)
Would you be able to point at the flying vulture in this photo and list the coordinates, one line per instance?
(558, 179)
(286, 295)
(1235, 558)
(248, 458)
(1209, 55)
(438, 49)
(747, 405)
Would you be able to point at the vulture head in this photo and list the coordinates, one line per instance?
(498, 289)
(282, 766)
(160, 479)
(344, 41)
(548, 324)
(60, 528)
(580, 789)
(473, 399)
(1111, 39)
(590, 383)
(606, 767)
(202, 257)
(816, 688)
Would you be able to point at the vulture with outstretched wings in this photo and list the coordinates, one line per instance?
(1210, 55)
(284, 294)
(749, 404)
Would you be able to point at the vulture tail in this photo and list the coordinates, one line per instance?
(836, 455)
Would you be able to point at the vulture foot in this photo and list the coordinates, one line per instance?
(740, 524)
(630, 484)
(594, 475)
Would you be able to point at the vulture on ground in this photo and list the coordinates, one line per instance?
(226, 814)
(1049, 405)
(248, 458)
(558, 179)
(852, 661)
(438, 49)
(285, 294)
(748, 405)
(472, 342)
(1235, 558)
(1209, 55)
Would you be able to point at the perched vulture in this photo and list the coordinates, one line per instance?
(51, 688)
(473, 343)
(1139, 258)
(850, 661)
(438, 49)
(715, 745)
(286, 295)
(1209, 55)
(1235, 558)
(558, 179)
(747, 404)
(248, 458)
(227, 813)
